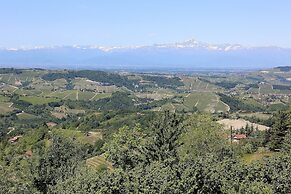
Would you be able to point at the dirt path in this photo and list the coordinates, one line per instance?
(67, 95)
(15, 90)
(9, 78)
(52, 93)
(228, 108)
(173, 106)
(93, 96)
(197, 103)
(217, 98)
(271, 86)
(77, 95)
(198, 85)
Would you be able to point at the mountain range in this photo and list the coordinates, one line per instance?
(188, 55)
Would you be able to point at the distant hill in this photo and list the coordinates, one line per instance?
(284, 68)
(191, 54)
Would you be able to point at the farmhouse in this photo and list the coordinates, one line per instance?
(28, 153)
(51, 124)
(236, 138)
(18, 83)
(14, 139)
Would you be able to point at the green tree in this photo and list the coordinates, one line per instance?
(163, 143)
(124, 147)
(56, 164)
(287, 142)
(279, 129)
(202, 136)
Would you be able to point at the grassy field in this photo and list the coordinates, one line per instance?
(257, 156)
(253, 102)
(5, 107)
(8, 89)
(81, 83)
(59, 115)
(257, 115)
(99, 162)
(4, 99)
(99, 96)
(265, 89)
(25, 116)
(204, 101)
(64, 109)
(84, 95)
(26, 75)
(78, 95)
(79, 136)
(154, 96)
(67, 94)
(28, 92)
(239, 123)
(172, 107)
(38, 100)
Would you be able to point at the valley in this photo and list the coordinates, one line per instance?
(109, 115)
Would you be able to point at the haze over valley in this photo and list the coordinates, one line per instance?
(188, 55)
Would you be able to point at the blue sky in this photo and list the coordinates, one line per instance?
(136, 22)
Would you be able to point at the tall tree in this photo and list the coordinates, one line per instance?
(124, 148)
(279, 129)
(56, 164)
(202, 136)
(163, 144)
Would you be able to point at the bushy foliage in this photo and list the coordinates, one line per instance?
(280, 129)
(173, 154)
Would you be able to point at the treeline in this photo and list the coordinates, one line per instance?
(248, 86)
(284, 68)
(10, 70)
(165, 82)
(227, 84)
(223, 84)
(119, 101)
(98, 76)
(238, 105)
(281, 87)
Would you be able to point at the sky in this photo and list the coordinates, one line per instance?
(28, 23)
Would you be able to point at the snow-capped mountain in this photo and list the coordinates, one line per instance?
(191, 54)
(192, 43)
